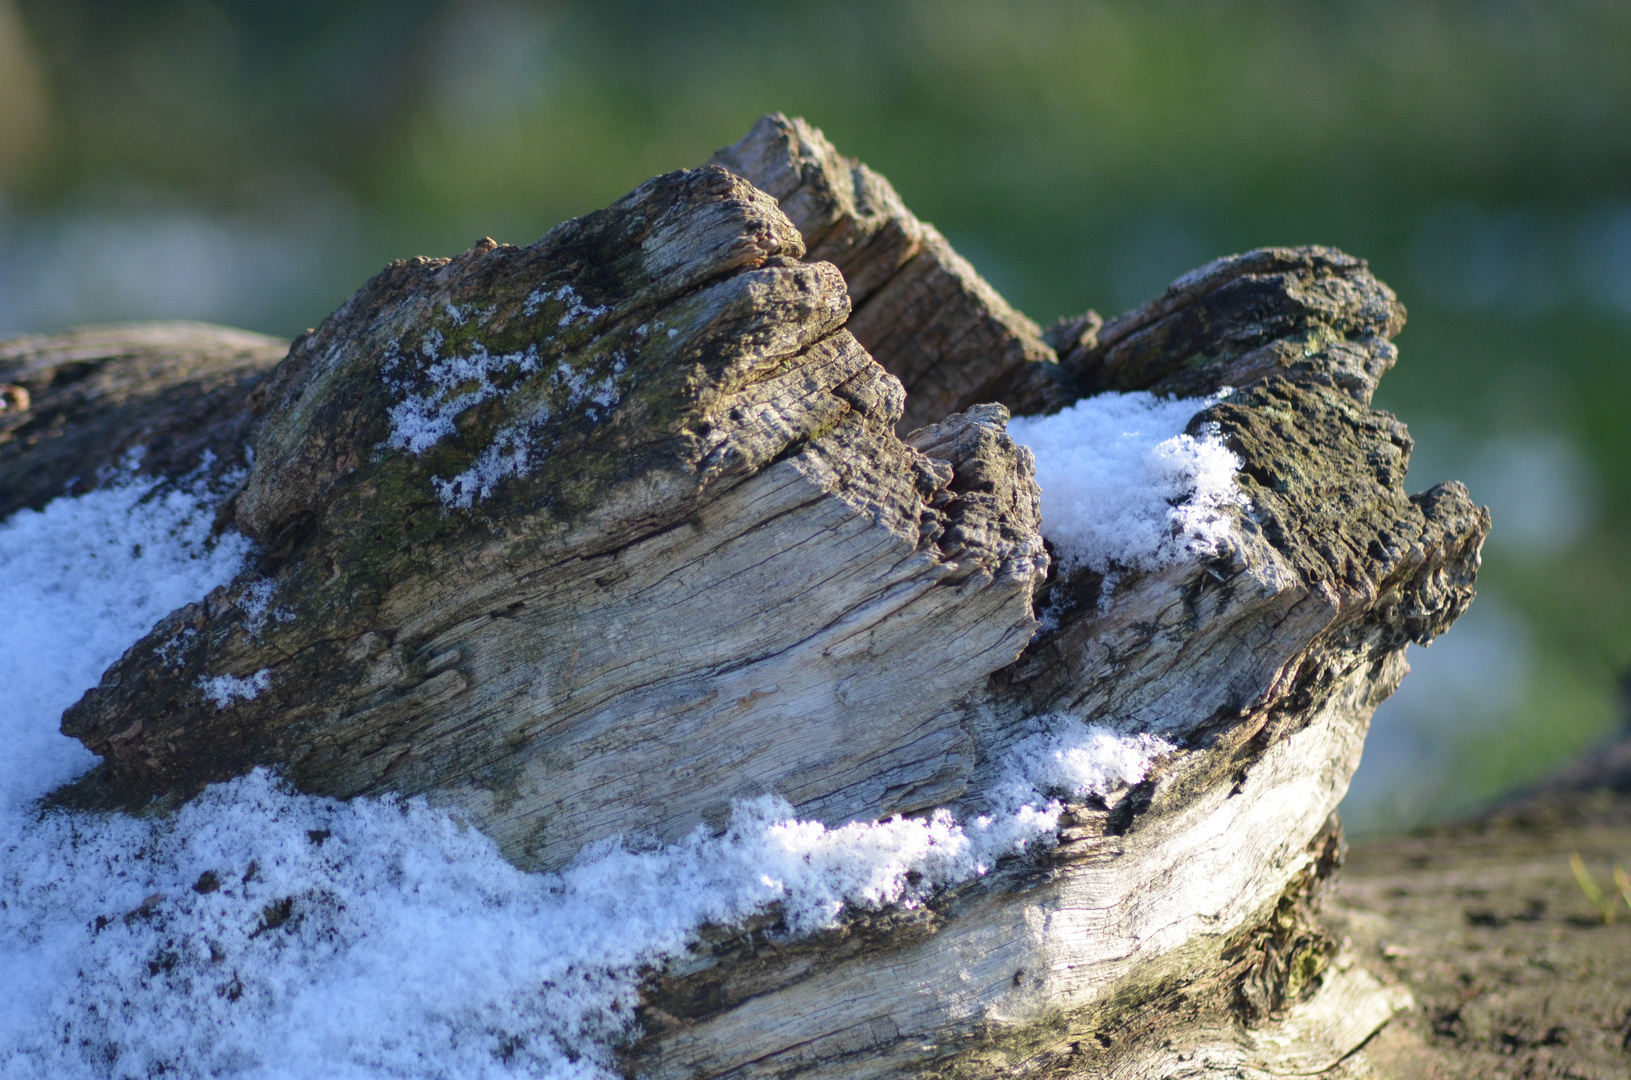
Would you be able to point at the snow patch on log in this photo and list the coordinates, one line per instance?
(436, 390)
(1076, 761)
(1125, 485)
(81, 580)
(576, 307)
(225, 689)
(456, 383)
(263, 933)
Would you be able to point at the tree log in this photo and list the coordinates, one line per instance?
(594, 537)
(82, 403)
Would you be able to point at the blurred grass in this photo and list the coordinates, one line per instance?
(1082, 154)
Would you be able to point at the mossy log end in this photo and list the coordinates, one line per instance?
(709, 494)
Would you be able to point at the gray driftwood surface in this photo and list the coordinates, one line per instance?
(740, 514)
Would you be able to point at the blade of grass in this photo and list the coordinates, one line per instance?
(1622, 881)
(1589, 886)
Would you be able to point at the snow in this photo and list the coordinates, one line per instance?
(1061, 758)
(455, 383)
(256, 598)
(225, 689)
(1124, 487)
(255, 601)
(575, 307)
(507, 455)
(265, 934)
(1066, 756)
(80, 582)
(436, 390)
(516, 449)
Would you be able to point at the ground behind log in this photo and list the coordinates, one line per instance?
(1513, 972)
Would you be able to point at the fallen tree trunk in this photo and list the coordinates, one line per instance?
(603, 535)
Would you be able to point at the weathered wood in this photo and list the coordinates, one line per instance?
(1171, 913)
(83, 401)
(920, 309)
(597, 535)
(1310, 313)
(704, 584)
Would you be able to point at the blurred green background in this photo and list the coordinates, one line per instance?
(252, 162)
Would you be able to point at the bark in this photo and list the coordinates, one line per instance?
(597, 535)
